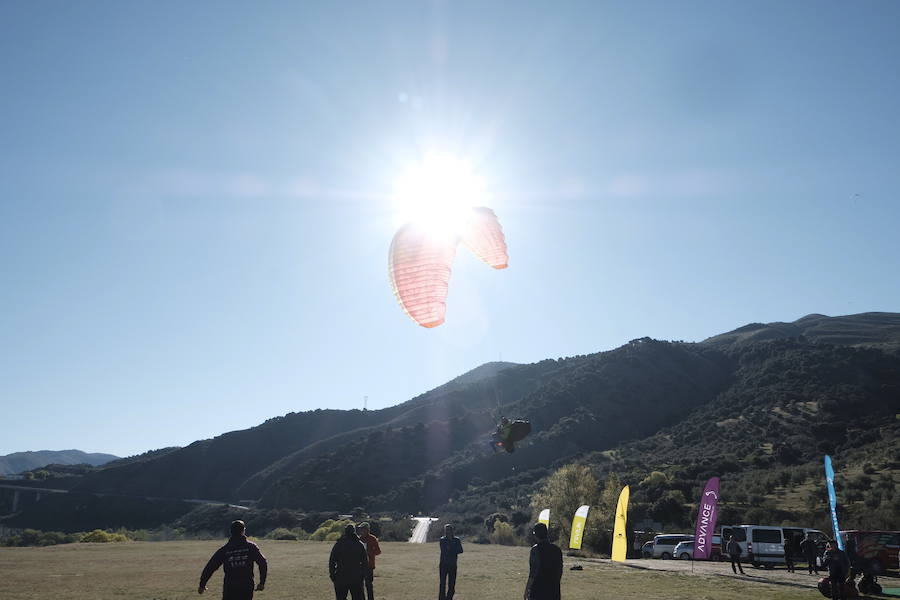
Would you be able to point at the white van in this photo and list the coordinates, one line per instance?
(664, 544)
(763, 545)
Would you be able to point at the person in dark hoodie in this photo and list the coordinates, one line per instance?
(347, 565)
(237, 558)
(545, 566)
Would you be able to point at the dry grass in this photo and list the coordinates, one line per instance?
(170, 570)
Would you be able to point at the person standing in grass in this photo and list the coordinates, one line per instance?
(545, 565)
(788, 556)
(810, 552)
(237, 558)
(372, 550)
(734, 551)
(451, 548)
(347, 565)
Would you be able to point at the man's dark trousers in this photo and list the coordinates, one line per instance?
(448, 576)
(238, 590)
(837, 585)
(355, 589)
(369, 577)
(811, 564)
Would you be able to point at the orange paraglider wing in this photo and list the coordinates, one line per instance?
(484, 236)
(419, 267)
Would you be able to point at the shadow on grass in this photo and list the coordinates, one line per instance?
(756, 579)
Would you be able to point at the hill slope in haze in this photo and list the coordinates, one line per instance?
(744, 405)
(18, 462)
(866, 329)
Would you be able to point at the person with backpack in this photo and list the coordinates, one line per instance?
(838, 565)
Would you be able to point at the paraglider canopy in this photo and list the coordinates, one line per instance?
(437, 200)
(509, 432)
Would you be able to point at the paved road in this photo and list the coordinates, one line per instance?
(40, 490)
(25, 488)
(420, 533)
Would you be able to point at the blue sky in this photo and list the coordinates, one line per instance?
(195, 211)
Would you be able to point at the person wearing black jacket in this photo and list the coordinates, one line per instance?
(734, 551)
(237, 558)
(451, 548)
(789, 555)
(347, 565)
(545, 567)
(810, 552)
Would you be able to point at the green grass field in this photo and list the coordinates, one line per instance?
(170, 570)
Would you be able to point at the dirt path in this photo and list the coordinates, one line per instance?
(779, 576)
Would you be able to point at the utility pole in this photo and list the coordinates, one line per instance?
(365, 403)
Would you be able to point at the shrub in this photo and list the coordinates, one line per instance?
(100, 536)
(329, 531)
(503, 534)
(281, 533)
(33, 537)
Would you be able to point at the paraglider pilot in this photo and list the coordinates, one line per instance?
(508, 433)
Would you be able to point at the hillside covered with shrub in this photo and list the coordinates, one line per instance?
(757, 406)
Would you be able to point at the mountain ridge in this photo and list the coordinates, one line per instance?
(780, 393)
(18, 462)
(871, 328)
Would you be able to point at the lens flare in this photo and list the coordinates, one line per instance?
(436, 194)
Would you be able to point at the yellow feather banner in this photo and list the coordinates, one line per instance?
(578, 527)
(620, 542)
(544, 517)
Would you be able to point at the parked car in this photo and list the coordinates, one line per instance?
(647, 550)
(763, 545)
(685, 550)
(664, 544)
(874, 551)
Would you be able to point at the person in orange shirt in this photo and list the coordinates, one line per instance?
(373, 550)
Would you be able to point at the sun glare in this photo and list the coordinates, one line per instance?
(437, 192)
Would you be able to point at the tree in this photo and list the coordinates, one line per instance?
(655, 485)
(568, 488)
(602, 517)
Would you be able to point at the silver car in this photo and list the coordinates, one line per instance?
(684, 550)
(664, 544)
